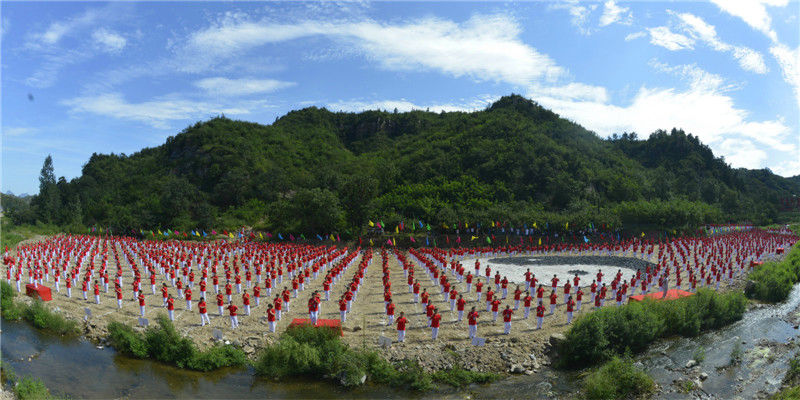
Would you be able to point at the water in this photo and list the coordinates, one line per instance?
(78, 369)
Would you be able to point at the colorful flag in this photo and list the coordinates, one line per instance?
(371, 224)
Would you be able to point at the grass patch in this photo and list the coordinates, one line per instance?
(792, 393)
(772, 282)
(14, 234)
(26, 388)
(736, 354)
(163, 343)
(612, 331)
(38, 314)
(699, 355)
(320, 353)
(617, 379)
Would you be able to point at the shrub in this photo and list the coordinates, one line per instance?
(598, 336)
(459, 377)
(163, 343)
(8, 308)
(31, 389)
(617, 379)
(41, 317)
(772, 282)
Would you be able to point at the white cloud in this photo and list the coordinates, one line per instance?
(614, 13)
(635, 35)
(481, 48)
(579, 14)
(240, 87)
(403, 105)
(742, 153)
(573, 91)
(662, 36)
(59, 29)
(157, 112)
(753, 13)
(788, 168)
(698, 29)
(689, 109)
(789, 60)
(51, 65)
(17, 130)
(109, 41)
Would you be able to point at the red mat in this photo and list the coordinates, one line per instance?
(334, 324)
(672, 294)
(42, 292)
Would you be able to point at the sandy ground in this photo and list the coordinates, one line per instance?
(366, 322)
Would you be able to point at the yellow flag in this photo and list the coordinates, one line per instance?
(566, 226)
(394, 243)
(159, 231)
(259, 235)
(230, 234)
(492, 224)
(534, 224)
(445, 226)
(101, 230)
(397, 229)
(642, 234)
(466, 225)
(371, 223)
(332, 238)
(540, 241)
(473, 238)
(370, 242)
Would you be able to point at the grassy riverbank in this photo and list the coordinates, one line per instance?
(320, 353)
(772, 282)
(163, 343)
(38, 314)
(617, 379)
(24, 388)
(613, 331)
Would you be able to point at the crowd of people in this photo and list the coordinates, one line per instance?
(444, 285)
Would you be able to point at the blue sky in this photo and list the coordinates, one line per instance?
(79, 78)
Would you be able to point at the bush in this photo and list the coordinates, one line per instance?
(31, 389)
(313, 352)
(164, 344)
(41, 317)
(772, 282)
(459, 377)
(8, 308)
(617, 379)
(600, 335)
(792, 393)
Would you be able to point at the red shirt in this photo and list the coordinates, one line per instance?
(202, 307)
(472, 317)
(507, 314)
(435, 320)
(141, 300)
(342, 305)
(460, 303)
(270, 315)
(401, 323)
(232, 308)
(170, 304)
(390, 309)
(495, 305)
(553, 298)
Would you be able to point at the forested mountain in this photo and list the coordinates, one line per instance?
(317, 171)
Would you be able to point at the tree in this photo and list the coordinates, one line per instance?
(48, 202)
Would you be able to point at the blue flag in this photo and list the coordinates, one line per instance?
(205, 234)
(319, 237)
(585, 240)
(280, 236)
(426, 241)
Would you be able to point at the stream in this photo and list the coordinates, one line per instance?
(79, 369)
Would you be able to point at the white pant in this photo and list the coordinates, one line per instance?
(171, 315)
(272, 326)
(539, 322)
(234, 322)
(473, 331)
(569, 317)
(460, 315)
(343, 315)
(401, 336)
(141, 311)
(507, 329)
(247, 309)
(188, 305)
(204, 319)
(434, 333)
(97, 299)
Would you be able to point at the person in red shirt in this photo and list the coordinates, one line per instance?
(597, 303)
(570, 309)
(540, 294)
(539, 315)
(187, 294)
(429, 310)
(579, 298)
(472, 323)
(68, 280)
(164, 293)
(401, 327)
(342, 309)
(84, 288)
(507, 320)
(220, 303)
(517, 297)
(489, 298)
(313, 308)
(469, 281)
(287, 298)
(141, 303)
(567, 291)
(246, 302)
(118, 292)
(171, 308)
(460, 304)
(390, 311)
(257, 294)
(234, 319)
(435, 320)
(526, 303)
(271, 317)
(554, 282)
(96, 292)
(495, 308)
(553, 300)
(203, 312)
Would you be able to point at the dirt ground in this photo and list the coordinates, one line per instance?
(525, 348)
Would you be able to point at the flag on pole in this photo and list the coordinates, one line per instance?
(371, 224)
(370, 243)
(412, 239)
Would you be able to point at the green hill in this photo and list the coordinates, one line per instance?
(316, 171)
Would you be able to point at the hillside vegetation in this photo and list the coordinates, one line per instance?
(317, 171)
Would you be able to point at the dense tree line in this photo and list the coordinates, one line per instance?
(316, 171)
